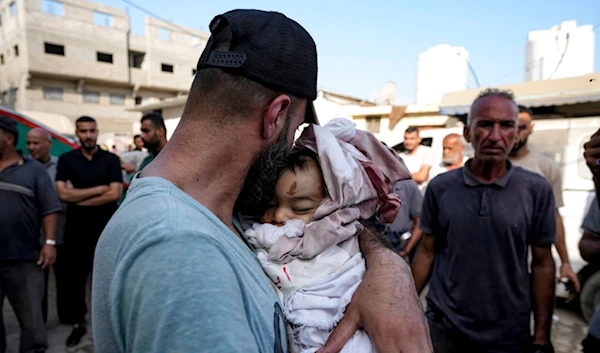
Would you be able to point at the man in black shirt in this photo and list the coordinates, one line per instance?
(28, 204)
(89, 181)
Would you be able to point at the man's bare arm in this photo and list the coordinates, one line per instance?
(542, 272)
(422, 175)
(73, 195)
(423, 263)
(561, 247)
(385, 304)
(111, 195)
(415, 237)
(589, 247)
(48, 252)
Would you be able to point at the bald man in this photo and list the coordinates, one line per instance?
(452, 157)
(39, 142)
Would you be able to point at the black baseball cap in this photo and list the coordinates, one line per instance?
(269, 48)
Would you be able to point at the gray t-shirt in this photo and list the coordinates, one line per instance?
(169, 276)
(591, 224)
(412, 200)
(546, 167)
(480, 281)
(26, 197)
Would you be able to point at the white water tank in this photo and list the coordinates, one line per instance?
(561, 51)
(441, 69)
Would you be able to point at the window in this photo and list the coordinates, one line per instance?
(16, 48)
(138, 100)
(167, 68)
(102, 19)
(91, 97)
(104, 57)
(117, 99)
(12, 8)
(164, 34)
(194, 72)
(52, 7)
(53, 93)
(136, 59)
(373, 124)
(1, 59)
(54, 49)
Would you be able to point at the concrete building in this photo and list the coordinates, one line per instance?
(559, 52)
(441, 69)
(328, 105)
(77, 57)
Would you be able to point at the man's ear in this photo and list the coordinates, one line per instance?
(275, 116)
(467, 133)
(531, 126)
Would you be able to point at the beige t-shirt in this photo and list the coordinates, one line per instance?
(543, 165)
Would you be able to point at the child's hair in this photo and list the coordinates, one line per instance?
(298, 160)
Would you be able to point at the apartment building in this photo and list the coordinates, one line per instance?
(77, 57)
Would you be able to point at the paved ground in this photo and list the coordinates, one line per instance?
(567, 333)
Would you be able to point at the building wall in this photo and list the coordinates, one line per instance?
(441, 69)
(561, 51)
(84, 29)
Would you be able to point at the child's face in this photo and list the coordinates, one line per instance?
(297, 195)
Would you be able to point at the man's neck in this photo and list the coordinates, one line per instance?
(8, 158)
(161, 145)
(193, 162)
(45, 159)
(520, 153)
(89, 154)
(488, 171)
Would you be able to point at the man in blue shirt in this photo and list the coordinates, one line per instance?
(29, 203)
(172, 271)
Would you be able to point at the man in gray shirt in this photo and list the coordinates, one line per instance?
(589, 245)
(39, 142)
(29, 202)
(478, 224)
(407, 220)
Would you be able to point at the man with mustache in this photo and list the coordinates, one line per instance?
(88, 180)
(452, 155)
(173, 271)
(536, 162)
(479, 223)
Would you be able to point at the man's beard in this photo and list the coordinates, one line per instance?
(519, 144)
(259, 186)
(451, 160)
(88, 145)
(151, 146)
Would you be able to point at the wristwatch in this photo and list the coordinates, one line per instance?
(51, 242)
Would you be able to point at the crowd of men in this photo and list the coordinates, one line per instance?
(58, 209)
(467, 226)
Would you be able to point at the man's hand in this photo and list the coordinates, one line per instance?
(566, 271)
(129, 168)
(47, 256)
(386, 305)
(592, 153)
